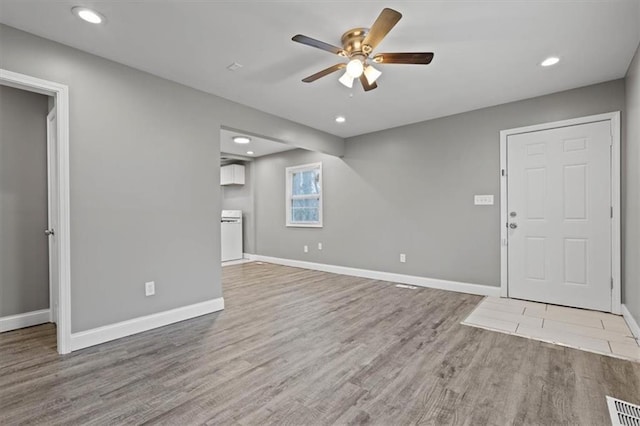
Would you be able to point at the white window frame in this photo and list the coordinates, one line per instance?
(289, 171)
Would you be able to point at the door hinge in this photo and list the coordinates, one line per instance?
(611, 212)
(612, 283)
(503, 172)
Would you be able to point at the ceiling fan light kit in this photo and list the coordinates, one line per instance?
(358, 45)
(371, 74)
(355, 68)
(347, 80)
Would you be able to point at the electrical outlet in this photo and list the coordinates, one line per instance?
(403, 258)
(483, 200)
(319, 246)
(149, 288)
(306, 249)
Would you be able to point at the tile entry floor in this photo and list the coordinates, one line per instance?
(591, 331)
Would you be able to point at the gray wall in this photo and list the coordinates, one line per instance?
(240, 197)
(410, 190)
(632, 191)
(145, 190)
(24, 255)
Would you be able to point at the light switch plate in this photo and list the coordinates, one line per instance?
(483, 200)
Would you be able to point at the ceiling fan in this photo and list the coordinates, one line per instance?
(358, 45)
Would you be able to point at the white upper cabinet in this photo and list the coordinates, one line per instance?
(233, 174)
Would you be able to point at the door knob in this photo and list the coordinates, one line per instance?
(49, 232)
(513, 225)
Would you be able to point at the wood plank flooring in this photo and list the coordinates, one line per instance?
(299, 347)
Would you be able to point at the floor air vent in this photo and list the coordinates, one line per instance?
(623, 413)
(408, 287)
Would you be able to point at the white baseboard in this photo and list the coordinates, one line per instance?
(631, 322)
(235, 262)
(106, 333)
(28, 319)
(460, 287)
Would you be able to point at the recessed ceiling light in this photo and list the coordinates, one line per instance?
(551, 60)
(340, 119)
(87, 14)
(241, 139)
(250, 152)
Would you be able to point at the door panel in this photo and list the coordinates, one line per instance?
(536, 190)
(52, 172)
(575, 192)
(559, 198)
(576, 259)
(535, 258)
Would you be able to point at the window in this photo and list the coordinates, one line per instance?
(304, 195)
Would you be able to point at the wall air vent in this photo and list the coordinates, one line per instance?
(234, 66)
(623, 413)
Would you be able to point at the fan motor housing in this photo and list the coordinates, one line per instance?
(352, 41)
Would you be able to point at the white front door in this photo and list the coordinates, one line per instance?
(52, 172)
(559, 216)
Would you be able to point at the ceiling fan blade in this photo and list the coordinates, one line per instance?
(420, 58)
(324, 72)
(365, 84)
(318, 44)
(387, 19)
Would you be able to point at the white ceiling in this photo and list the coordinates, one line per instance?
(486, 52)
(259, 146)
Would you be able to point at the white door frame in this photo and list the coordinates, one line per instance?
(60, 92)
(614, 119)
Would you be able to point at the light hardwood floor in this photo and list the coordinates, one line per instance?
(302, 347)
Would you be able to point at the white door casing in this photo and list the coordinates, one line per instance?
(52, 202)
(561, 180)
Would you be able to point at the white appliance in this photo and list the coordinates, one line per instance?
(231, 235)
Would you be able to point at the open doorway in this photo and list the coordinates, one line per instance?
(239, 150)
(35, 204)
(25, 296)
